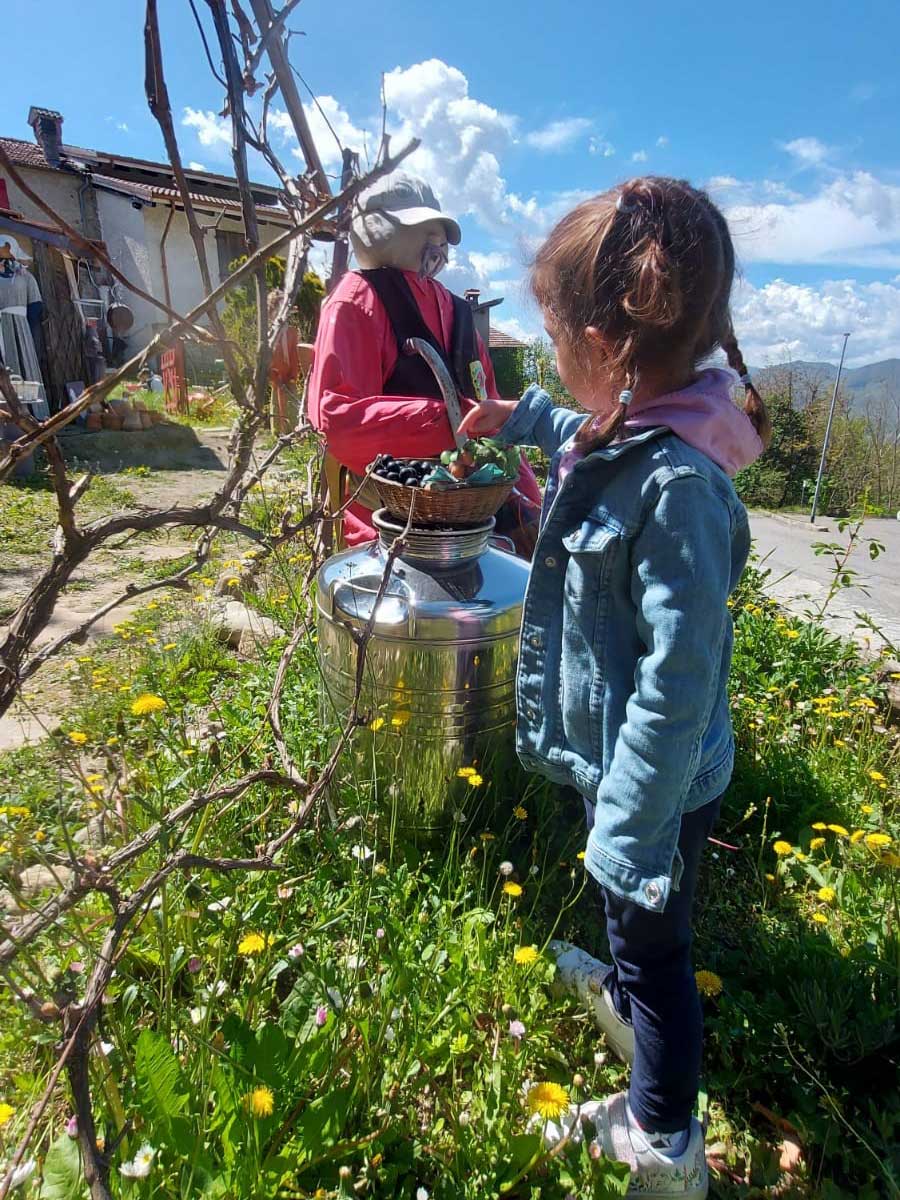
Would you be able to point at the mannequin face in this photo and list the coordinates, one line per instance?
(419, 248)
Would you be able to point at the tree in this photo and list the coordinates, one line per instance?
(776, 478)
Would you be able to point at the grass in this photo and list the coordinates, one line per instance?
(28, 510)
(365, 1022)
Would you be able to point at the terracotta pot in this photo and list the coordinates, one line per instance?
(146, 418)
(157, 417)
(93, 422)
(119, 406)
(111, 420)
(131, 421)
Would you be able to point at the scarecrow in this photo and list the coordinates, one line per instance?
(365, 394)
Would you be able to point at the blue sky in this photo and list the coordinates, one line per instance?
(788, 112)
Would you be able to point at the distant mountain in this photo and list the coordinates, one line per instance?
(861, 384)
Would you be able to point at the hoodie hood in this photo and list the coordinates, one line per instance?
(704, 415)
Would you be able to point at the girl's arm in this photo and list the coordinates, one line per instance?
(531, 421)
(681, 578)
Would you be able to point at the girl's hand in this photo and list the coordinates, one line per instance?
(487, 417)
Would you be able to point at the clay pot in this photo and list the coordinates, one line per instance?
(131, 421)
(93, 422)
(146, 418)
(157, 417)
(119, 406)
(111, 420)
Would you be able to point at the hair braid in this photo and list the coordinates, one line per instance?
(754, 406)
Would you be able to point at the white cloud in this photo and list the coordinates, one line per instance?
(786, 320)
(639, 156)
(514, 327)
(854, 219)
(331, 128)
(487, 264)
(599, 145)
(662, 141)
(212, 130)
(463, 140)
(196, 166)
(558, 135)
(808, 151)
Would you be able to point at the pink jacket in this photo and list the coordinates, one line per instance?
(356, 351)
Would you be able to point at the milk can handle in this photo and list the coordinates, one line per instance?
(363, 606)
(498, 538)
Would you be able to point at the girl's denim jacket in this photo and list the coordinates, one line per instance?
(626, 640)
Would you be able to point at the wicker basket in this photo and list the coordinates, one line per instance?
(460, 504)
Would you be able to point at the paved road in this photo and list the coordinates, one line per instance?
(800, 580)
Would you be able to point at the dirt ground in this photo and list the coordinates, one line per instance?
(195, 462)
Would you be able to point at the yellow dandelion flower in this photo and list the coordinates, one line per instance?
(260, 1102)
(112, 741)
(7, 1112)
(376, 724)
(510, 888)
(474, 780)
(547, 1100)
(878, 841)
(580, 856)
(488, 837)
(77, 737)
(839, 830)
(147, 703)
(96, 789)
(868, 809)
(820, 918)
(791, 633)
(170, 645)
(891, 859)
(465, 772)
(92, 778)
(816, 843)
(399, 719)
(520, 812)
(770, 878)
(40, 836)
(782, 848)
(819, 825)
(827, 895)
(525, 955)
(253, 943)
(857, 836)
(863, 702)
(877, 776)
(708, 983)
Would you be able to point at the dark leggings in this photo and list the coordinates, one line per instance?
(653, 986)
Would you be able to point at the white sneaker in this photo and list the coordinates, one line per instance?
(585, 977)
(654, 1175)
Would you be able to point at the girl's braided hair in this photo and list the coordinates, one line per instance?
(650, 264)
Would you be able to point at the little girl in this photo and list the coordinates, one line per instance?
(626, 635)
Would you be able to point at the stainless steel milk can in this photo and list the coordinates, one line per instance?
(439, 681)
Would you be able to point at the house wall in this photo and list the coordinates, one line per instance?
(123, 229)
(58, 189)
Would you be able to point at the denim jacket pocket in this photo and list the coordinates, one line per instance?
(592, 548)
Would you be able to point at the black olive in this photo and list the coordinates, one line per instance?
(392, 475)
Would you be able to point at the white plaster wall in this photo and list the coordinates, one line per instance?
(123, 231)
(57, 189)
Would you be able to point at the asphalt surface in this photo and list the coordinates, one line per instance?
(799, 579)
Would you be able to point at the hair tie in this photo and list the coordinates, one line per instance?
(746, 380)
(625, 397)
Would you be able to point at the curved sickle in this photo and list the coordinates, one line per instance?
(445, 383)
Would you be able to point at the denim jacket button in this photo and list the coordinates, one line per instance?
(652, 892)
(535, 640)
(550, 561)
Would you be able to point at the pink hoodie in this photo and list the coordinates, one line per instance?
(704, 415)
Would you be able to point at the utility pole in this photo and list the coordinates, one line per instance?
(837, 384)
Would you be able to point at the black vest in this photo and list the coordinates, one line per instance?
(412, 376)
